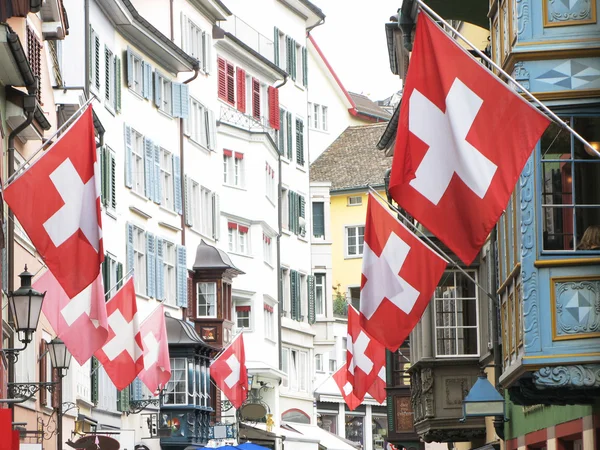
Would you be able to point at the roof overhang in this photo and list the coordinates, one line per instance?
(54, 20)
(307, 10)
(141, 33)
(14, 68)
(215, 9)
(250, 58)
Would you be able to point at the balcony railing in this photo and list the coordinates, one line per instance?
(250, 37)
(238, 119)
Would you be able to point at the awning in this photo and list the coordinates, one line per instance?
(256, 434)
(326, 439)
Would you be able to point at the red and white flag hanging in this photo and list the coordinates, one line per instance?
(157, 365)
(365, 356)
(229, 372)
(463, 139)
(345, 387)
(377, 389)
(57, 202)
(122, 355)
(399, 276)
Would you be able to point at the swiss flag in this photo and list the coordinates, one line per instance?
(229, 372)
(463, 139)
(377, 389)
(399, 276)
(365, 356)
(157, 365)
(121, 355)
(345, 387)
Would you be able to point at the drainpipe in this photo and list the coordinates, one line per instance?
(171, 14)
(86, 44)
(29, 103)
(182, 174)
(498, 420)
(279, 231)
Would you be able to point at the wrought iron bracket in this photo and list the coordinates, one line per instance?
(21, 392)
(12, 354)
(137, 406)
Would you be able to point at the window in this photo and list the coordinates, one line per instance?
(166, 179)
(318, 121)
(136, 73)
(233, 168)
(296, 215)
(268, 316)
(193, 193)
(109, 177)
(354, 294)
(196, 42)
(162, 93)
(332, 365)
(355, 200)
(285, 357)
(242, 317)
(355, 428)
(139, 260)
(295, 415)
(285, 291)
(285, 137)
(226, 87)
(112, 274)
(169, 267)
(109, 79)
(570, 177)
(297, 366)
(320, 294)
(200, 126)
(238, 238)
(270, 184)
(267, 249)
(355, 236)
(456, 311)
(138, 172)
(319, 362)
(177, 389)
(344, 349)
(94, 59)
(207, 299)
(299, 142)
(328, 421)
(318, 214)
(379, 426)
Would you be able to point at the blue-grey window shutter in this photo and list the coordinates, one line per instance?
(137, 389)
(129, 68)
(148, 167)
(128, 157)
(185, 101)
(130, 255)
(182, 299)
(276, 46)
(160, 271)
(150, 265)
(176, 99)
(177, 184)
(147, 80)
(186, 201)
(157, 90)
(157, 180)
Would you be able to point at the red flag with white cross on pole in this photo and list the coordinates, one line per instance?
(229, 372)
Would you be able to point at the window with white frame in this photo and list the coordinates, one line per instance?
(200, 125)
(110, 94)
(176, 390)
(355, 236)
(267, 249)
(285, 208)
(196, 42)
(298, 370)
(320, 294)
(166, 179)
(137, 75)
(318, 362)
(285, 289)
(207, 299)
(206, 212)
(318, 120)
(233, 168)
(270, 184)
(112, 272)
(332, 365)
(139, 260)
(354, 200)
(269, 318)
(137, 156)
(318, 216)
(285, 368)
(344, 349)
(169, 264)
(163, 95)
(195, 203)
(237, 235)
(243, 317)
(456, 315)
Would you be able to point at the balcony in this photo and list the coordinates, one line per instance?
(249, 36)
(245, 122)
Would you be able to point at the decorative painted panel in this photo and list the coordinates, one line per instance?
(522, 8)
(564, 75)
(575, 307)
(579, 376)
(456, 389)
(404, 414)
(505, 29)
(558, 13)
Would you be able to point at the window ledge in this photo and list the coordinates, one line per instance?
(270, 201)
(199, 233)
(167, 210)
(234, 187)
(270, 340)
(168, 226)
(164, 113)
(285, 160)
(109, 108)
(298, 84)
(241, 254)
(320, 242)
(140, 212)
(302, 238)
(137, 194)
(171, 306)
(136, 94)
(301, 168)
(572, 259)
(286, 231)
(353, 257)
(195, 143)
(269, 265)
(142, 296)
(111, 213)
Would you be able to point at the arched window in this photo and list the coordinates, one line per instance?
(295, 415)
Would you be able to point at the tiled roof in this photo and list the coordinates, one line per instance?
(353, 159)
(366, 106)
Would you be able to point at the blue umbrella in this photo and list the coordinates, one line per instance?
(251, 446)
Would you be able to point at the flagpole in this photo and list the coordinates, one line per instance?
(547, 110)
(19, 171)
(130, 272)
(440, 252)
(229, 345)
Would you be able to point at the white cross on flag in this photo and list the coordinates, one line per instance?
(157, 365)
(341, 379)
(121, 356)
(57, 202)
(365, 356)
(229, 372)
(399, 275)
(463, 139)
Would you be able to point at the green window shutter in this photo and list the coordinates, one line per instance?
(96, 53)
(311, 299)
(304, 67)
(112, 187)
(104, 175)
(276, 46)
(281, 132)
(290, 212)
(290, 140)
(105, 273)
(293, 300)
(288, 55)
(118, 84)
(94, 375)
(123, 400)
(299, 297)
(301, 209)
(294, 64)
(119, 275)
(280, 299)
(300, 142)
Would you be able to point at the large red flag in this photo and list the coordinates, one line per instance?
(399, 275)
(341, 379)
(157, 365)
(463, 139)
(122, 356)
(377, 389)
(229, 372)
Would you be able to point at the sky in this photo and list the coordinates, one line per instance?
(353, 41)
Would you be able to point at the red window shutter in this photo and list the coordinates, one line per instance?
(268, 308)
(242, 308)
(255, 98)
(230, 84)
(228, 153)
(232, 225)
(274, 107)
(222, 79)
(242, 229)
(241, 89)
(239, 155)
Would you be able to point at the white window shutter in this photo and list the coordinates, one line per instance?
(212, 132)
(150, 265)
(181, 275)
(130, 255)
(128, 157)
(148, 167)
(187, 198)
(157, 181)
(185, 33)
(216, 216)
(160, 271)
(177, 184)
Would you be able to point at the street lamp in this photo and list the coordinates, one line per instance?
(60, 357)
(483, 400)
